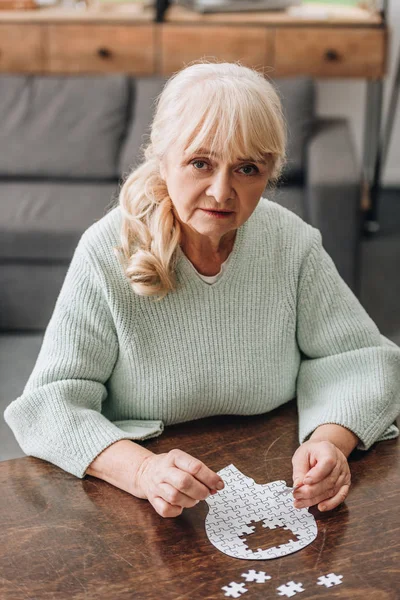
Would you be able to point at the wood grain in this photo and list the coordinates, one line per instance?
(340, 16)
(332, 52)
(129, 12)
(179, 45)
(63, 41)
(21, 48)
(179, 14)
(63, 537)
(96, 48)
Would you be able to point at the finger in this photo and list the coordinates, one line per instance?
(334, 481)
(185, 483)
(165, 509)
(326, 462)
(313, 500)
(335, 500)
(301, 465)
(173, 496)
(319, 498)
(197, 469)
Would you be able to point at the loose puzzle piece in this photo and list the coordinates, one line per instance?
(234, 590)
(290, 589)
(330, 580)
(243, 502)
(259, 577)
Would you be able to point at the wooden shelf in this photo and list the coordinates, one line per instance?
(179, 14)
(126, 39)
(292, 16)
(124, 14)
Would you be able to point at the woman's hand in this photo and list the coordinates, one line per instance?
(174, 481)
(323, 469)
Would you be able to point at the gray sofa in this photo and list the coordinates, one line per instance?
(66, 144)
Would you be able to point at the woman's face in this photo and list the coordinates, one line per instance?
(199, 182)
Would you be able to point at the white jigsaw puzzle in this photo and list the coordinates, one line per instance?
(241, 502)
(260, 577)
(234, 590)
(290, 589)
(330, 580)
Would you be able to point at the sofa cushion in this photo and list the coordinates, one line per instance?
(29, 294)
(43, 220)
(18, 354)
(62, 126)
(142, 112)
(298, 102)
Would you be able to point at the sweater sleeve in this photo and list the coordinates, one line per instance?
(349, 373)
(58, 416)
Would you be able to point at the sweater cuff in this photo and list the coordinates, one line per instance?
(390, 433)
(75, 447)
(106, 436)
(368, 435)
(127, 430)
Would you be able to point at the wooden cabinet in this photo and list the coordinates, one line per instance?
(181, 44)
(100, 48)
(61, 40)
(330, 52)
(22, 48)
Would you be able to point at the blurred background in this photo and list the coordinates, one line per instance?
(77, 85)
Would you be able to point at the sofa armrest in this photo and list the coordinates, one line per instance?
(332, 198)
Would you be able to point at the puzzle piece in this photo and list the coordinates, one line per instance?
(246, 529)
(229, 513)
(273, 523)
(259, 577)
(234, 590)
(330, 580)
(290, 546)
(290, 589)
(243, 502)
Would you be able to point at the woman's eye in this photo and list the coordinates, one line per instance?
(203, 162)
(250, 167)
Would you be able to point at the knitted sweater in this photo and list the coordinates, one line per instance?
(279, 322)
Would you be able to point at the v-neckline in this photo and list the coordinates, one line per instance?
(232, 264)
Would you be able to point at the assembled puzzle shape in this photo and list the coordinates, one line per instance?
(243, 501)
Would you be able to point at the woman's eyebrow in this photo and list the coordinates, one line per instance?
(215, 155)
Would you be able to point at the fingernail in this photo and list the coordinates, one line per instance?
(307, 480)
(322, 507)
(296, 482)
(220, 485)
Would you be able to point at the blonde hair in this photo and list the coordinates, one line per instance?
(238, 112)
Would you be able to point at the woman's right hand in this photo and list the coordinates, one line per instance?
(174, 481)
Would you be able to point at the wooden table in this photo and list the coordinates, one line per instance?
(127, 39)
(62, 537)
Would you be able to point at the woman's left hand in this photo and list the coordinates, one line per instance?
(325, 472)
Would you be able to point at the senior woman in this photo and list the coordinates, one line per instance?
(196, 296)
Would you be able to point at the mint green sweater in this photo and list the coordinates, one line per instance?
(279, 322)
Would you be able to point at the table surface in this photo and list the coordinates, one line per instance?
(131, 13)
(64, 537)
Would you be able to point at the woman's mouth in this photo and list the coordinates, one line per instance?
(217, 213)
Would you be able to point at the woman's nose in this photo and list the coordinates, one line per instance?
(221, 186)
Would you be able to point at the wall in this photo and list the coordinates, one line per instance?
(346, 97)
